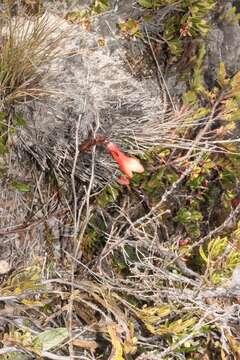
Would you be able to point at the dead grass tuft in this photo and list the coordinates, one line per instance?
(27, 46)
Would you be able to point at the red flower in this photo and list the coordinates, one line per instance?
(126, 164)
(123, 180)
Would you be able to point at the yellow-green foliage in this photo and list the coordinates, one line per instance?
(152, 317)
(83, 16)
(221, 256)
(226, 93)
(44, 341)
(18, 283)
(107, 196)
(130, 28)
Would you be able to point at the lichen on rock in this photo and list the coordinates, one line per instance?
(92, 84)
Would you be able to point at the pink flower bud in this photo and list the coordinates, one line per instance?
(126, 164)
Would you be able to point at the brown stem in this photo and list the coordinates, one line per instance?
(98, 140)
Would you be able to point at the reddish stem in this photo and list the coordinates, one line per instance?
(98, 140)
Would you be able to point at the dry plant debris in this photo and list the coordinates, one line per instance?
(147, 272)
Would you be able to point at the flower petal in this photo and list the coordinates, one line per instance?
(126, 164)
(123, 180)
(134, 164)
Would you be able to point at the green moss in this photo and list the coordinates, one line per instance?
(108, 196)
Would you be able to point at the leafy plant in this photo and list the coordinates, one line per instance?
(153, 316)
(82, 17)
(21, 281)
(130, 28)
(221, 258)
(36, 344)
(107, 196)
(191, 219)
(191, 22)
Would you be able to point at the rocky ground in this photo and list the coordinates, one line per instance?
(91, 268)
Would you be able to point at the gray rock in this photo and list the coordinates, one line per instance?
(223, 45)
(91, 83)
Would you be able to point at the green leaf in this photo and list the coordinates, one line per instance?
(18, 120)
(195, 183)
(233, 259)
(216, 277)
(3, 148)
(202, 254)
(146, 3)
(230, 14)
(235, 84)
(100, 6)
(50, 338)
(19, 186)
(222, 77)
(201, 113)
(130, 27)
(2, 116)
(190, 98)
(186, 216)
(107, 196)
(217, 246)
(175, 46)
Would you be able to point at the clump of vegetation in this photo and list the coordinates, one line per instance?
(186, 19)
(27, 45)
(82, 17)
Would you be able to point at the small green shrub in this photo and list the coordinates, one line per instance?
(189, 20)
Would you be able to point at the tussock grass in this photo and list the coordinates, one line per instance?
(27, 46)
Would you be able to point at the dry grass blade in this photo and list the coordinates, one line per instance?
(27, 46)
